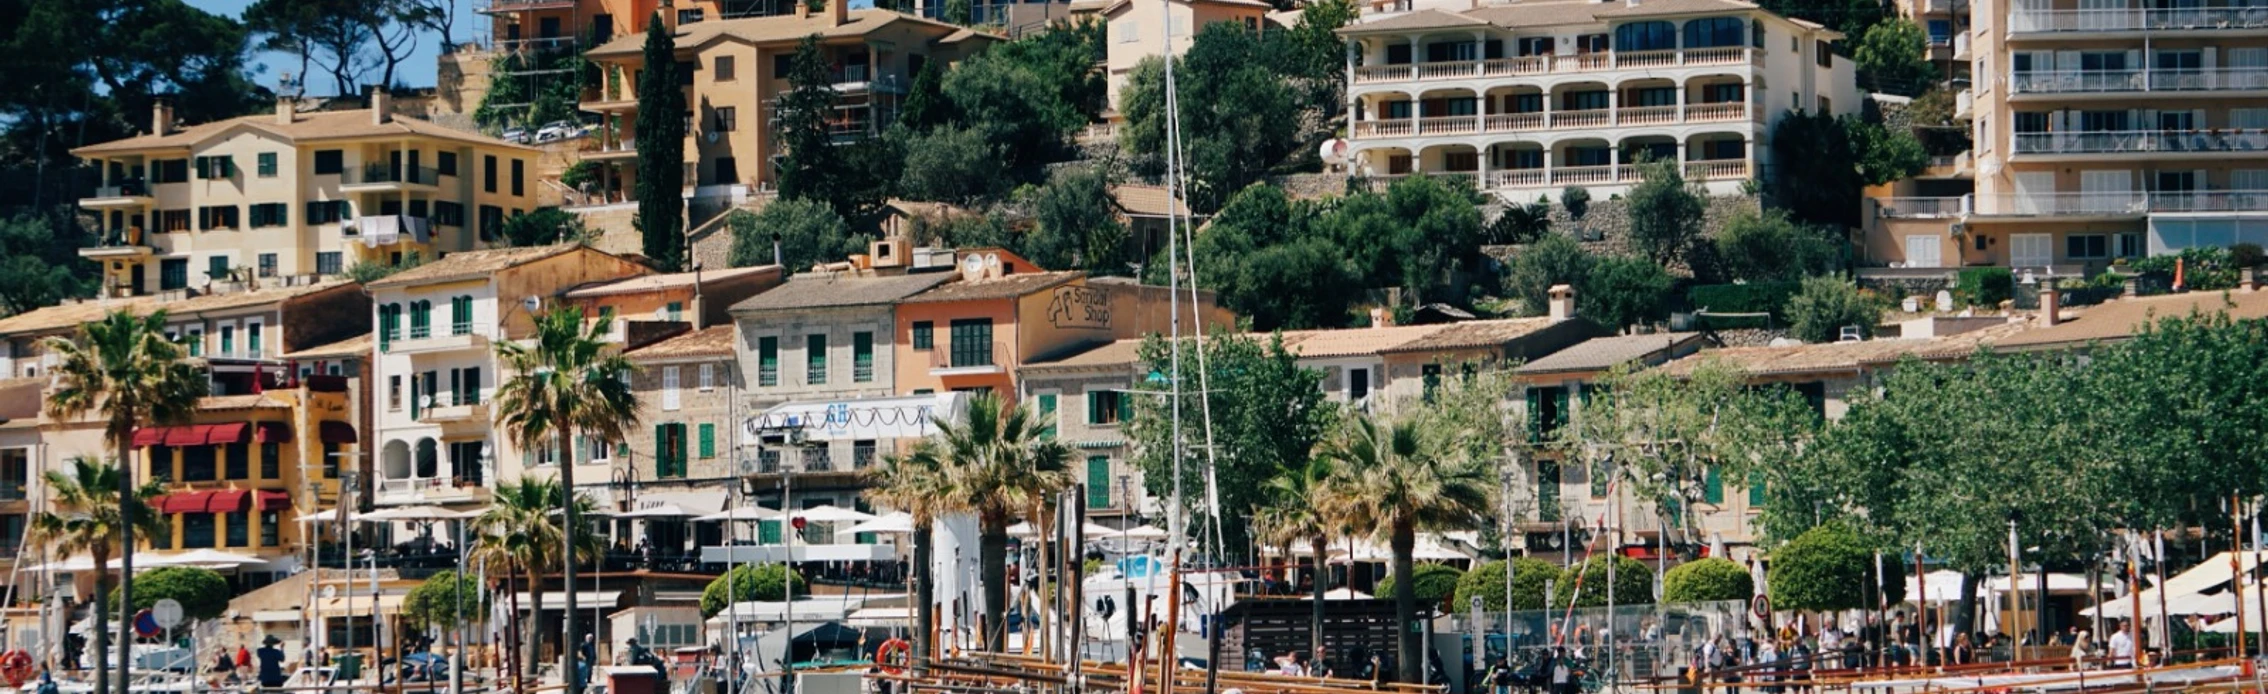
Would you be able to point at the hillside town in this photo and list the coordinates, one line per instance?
(1288, 346)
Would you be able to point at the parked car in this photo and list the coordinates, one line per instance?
(558, 130)
(515, 134)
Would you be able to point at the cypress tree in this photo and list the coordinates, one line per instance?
(661, 150)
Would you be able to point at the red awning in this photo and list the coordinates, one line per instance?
(226, 501)
(183, 502)
(187, 435)
(337, 432)
(271, 432)
(271, 500)
(232, 432)
(149, 436)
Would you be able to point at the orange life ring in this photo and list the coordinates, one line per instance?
(893, 656)
(16, 667)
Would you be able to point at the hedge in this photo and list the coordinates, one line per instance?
(1633, 583)
(1707, 580)
(1433, 581)
(1487, 581)
(1753, 297)
(1984, 286)
(750, 582)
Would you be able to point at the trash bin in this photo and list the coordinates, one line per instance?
(348, 667)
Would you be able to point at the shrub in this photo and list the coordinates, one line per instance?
(1753, 297)
(1707, 580)
(1820, 311)
(1829, 567)
(444, 599)
(1577, 201)
(203, 593)
(1633, 583)
(1984, 286)
(2245, 255)
(749, 582)
(1433, 581)
(542, 227)
(1487, 582)
(2203, 269)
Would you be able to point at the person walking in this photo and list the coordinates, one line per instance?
(271, 673)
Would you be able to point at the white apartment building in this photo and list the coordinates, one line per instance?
(1531, 97)
(436, 371)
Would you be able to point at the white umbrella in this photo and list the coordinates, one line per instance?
(892, 522)
(662, 511)
(831, 514)
(1144, 532)
(743, 514)
(1344, 593)
(1093, 531)
(203, 558)
(414, 513)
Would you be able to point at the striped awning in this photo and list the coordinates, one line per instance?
(1107, 443)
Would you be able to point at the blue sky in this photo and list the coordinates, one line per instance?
(417, 71)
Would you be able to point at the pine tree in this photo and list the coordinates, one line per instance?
(661, 149)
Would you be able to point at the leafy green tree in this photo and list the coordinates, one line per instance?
(1829, 568)
(1392, 484)
(1423, 235)
(1586, 583)
(521, 537)
(87, 499)
(1826, 305)
(809, 233)
(1520, 224)
(1815, 177)
(1313, 55)
(1293, 514)
(445, 600)
(1665, 214)
(1529, 577)
(1078, 225)
(951, 164)
(750, 582)
(925, 106)
(2161, 403)
(1884, 155)
(542, 227)
(918, 483)
(37, 268)
(851, 174)
(1893, 58)
(1663, 434)
(1270, 265)
(1707, 580)
(579, 174)
(1624, 290)
(1028, 95)
(973, 231)
(1576, 200)
(368, 271)
(1435, 582)
(1238, 116)
(661, 149)
(203, 593)
(1554, 260)
(1771, 247)
(1265, 406)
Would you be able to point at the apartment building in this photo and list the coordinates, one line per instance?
(681, 452)
(1139, 30)
(1550, 493)
(2104, 130)
(434, 436)
(293, 196)
(734, 70)
(1946, 25)
(1533, 96)
(21, 453)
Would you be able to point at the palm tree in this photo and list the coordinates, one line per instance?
(521, 535)
(91, 523)
(1520, 223)
(1001, 464)
(917, 483)
(1295, 513)
(1390, 482)
(568, 379)
(125, 370)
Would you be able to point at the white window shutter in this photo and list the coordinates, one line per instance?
(708, 376)
(669, 388)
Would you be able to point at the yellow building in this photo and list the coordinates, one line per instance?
(734, 70)
(292, 196)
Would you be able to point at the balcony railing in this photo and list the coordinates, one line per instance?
(1919, 208)
(2115, 81)
(2141, 141)
(2112, 203)
(990, 357)
(124, 189)
(1548, 64)
(381, 173)
(1558, 120)
(1716, 170)
(2136, 19)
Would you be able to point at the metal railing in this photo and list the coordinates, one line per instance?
(1557, 120)
(2121, 203)
(2112, 81)
(969, 357)
(2141, 141)
(1546, 64)
(383, 173)
(1919, 208)
(123, 189)
(2137, 19)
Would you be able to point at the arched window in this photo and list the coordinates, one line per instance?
(1645, 36)
(1714, 32)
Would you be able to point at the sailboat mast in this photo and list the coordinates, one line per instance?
(1175, 528)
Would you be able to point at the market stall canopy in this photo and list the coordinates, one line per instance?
(831, 514)
(892, 522)
(656, 512)
(742, 514)
(1094, 531)
(414, 513)
(2213, 572)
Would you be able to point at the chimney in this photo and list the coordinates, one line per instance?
(667, 10)
(839, 10)
(1562, 302)
(286, 108)
(2051, 305)
(381, 105)
(1381, 317)
(161, 116)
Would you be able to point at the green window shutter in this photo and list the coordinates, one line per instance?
(204, 167)
(1535, 415)
(1047, 415)
(1558, 407)
(1713, 487)
(1755, 490)
(768, 532)
(1098, 481)
(864, 538)
(1125, 405)
(661, 450)
(622, 449)
(708, 440)
(1094, 405)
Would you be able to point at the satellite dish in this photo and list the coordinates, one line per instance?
(992, 265)
(1334, 151)
(330, 592)
(532, 303)
(972, 268)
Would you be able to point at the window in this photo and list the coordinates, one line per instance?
(228, 340)
(1532, 45)
(329, 161)
(267, 265)
(196, 531)
(1824, 54)
(2104, 121)
(217, 217)
(924, 335)
(1713, 487)
(707, 440)
(1547, 411)
(491, 221)
(267, 163)
(862, 357)
(420, 319)
(1047, 418)
(2130, 245)
(169, 171)
(460, 315)
(669, 450)
(197, 464)
(1940, 32)
(327, 211)
(252, 334)
(448, 214)
(726, 119)
(2086, 246)
(488, 173)
(690, 15)
(161, 463)
(722, 69)
(972, 342)
(389, 324)
(1358, 384)
(782, 64)
(708, 377)
(238, 463)
(1714, 32)
(1098, 481)
(1108, 406)
(815, 359)
(2031, 122)
(1131, 31)
(669, 388)
(1645, 36)
(519, 177)
(767, 361)
(271, 528)
(445, 163)
(470, 393)
(271, 214)
(1722, 93)
(394, 393)
(1583, 101)
(1654, 96)
(196, 343)
(173, 220)
(222, 166)
(1756, 34)
(173, 273)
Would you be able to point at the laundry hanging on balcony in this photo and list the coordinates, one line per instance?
(385, 229)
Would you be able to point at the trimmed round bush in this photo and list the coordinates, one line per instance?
(1487, 581)
(1707, 580)
(203, 593)
(1633, 583)
(1830, 567)
(766, 582)
(1434, 582)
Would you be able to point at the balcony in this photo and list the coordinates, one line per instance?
(428, 490)
(1556, 64)
(595, 150)
(2110, 21)
(454, 414)
(1920, 208)
(380, 178)
(1557, 120)
(1961, 45)
(124, 194)
(969, 360)
(435, 344)
(512, 6)
(2200, 143)
(2137, 82)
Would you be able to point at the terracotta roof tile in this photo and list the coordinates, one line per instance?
(2120, 318)
(712, 341)
(233, 300)
(1843, 356)
(357, 346)
(470, 264)
(62, 317)
(1354, 341)
(1412, 21)
(1007, 287)
(1603, 353)
(1474, 334)
(830, 291)
(781, 29)
(659, 282)
(1648, 8)
(305, 127)
(1147, 201)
